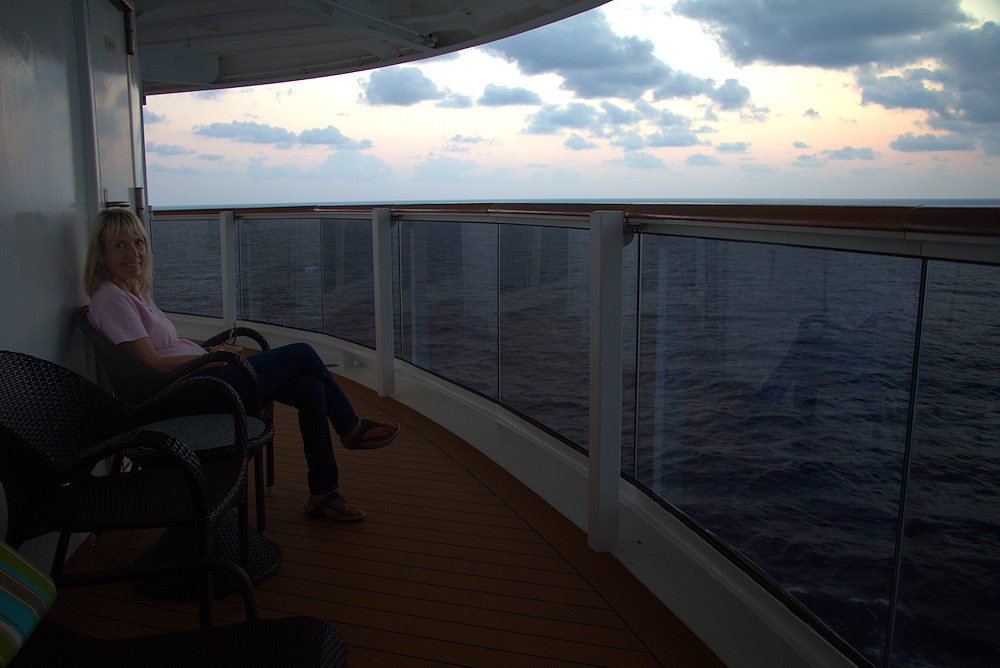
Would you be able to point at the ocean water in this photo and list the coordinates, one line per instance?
(767, 392)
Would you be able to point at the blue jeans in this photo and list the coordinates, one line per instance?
(295, 375)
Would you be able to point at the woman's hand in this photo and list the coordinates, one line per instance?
(227, 347)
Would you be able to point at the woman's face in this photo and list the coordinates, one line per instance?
(125, 257)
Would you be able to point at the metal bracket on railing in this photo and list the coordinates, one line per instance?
(630, 230)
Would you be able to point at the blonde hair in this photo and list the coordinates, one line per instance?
(111, 224)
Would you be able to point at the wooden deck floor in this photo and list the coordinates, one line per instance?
(457, 563)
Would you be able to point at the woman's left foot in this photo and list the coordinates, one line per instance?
(333, 506)
(369, 435)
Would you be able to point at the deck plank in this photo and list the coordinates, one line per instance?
(457, 564)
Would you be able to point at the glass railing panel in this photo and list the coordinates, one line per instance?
(348, 283)
(545, 326)
(281, 273)
(949, 600)
(773, 397)
(447, 308)
(630, 338)
(187, 276)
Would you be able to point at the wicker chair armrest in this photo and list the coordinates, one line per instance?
(191, 366)
(229, 335)
(165, 405)
(145, 440)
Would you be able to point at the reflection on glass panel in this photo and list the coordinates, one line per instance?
(630, 309)
(281, 278)
(348, 286)
(949, 602)
(447, 315)
(773, 396)
(545, 326)
(187, 275)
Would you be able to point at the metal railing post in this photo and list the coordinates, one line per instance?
(227, 256)
(605, 443)
(382, 271)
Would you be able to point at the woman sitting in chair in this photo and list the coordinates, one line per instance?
(118, 275)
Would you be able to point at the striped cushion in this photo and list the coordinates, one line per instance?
(26, 594)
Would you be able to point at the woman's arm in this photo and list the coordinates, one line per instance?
(143, 350)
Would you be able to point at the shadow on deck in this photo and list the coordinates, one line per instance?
(457, 563)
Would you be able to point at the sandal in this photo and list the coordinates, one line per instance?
(323, 510)
(359, 442)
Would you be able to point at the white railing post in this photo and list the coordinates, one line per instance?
(606, 241)
(227, 250)
(385, 352)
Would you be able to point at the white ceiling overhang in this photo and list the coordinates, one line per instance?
(187, 45)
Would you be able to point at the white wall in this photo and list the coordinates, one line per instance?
(43, 208)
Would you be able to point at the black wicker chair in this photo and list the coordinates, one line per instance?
(56, 427)
(134, 383)
(290, 642)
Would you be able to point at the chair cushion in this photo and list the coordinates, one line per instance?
(26, 594)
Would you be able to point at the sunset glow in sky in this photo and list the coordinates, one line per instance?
(693, 99)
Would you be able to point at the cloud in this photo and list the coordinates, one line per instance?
(455, 101)
(551, 118)
(463, 139)
(733, 147)
(183, 170)
(930, 142)
(167, 149)
(850, 153)
(594, 63)
(577, 143)
(640, 160)
(331, 136)
(800, 145)
(823, 34)
(503, 96)
(438, 168)
(806, 160)
(811, 113)
(211, 157)
(702, 160)
(399, 86)
(682, 138)
(922, 55)
(246, 131)
(151, 117)
(756, 168)
(352, 165)
(630, 141)
(730, 95)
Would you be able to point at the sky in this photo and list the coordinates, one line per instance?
(633, 101)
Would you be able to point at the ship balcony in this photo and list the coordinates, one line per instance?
(772, 427)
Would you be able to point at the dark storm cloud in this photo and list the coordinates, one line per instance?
(399, 86)
(594, 62)
(825, 34)
(503, 96)
(954, 65)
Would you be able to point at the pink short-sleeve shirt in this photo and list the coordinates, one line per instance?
(122, 317)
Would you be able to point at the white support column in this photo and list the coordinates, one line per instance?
(228, 255)
(606, 242)
(385, 353)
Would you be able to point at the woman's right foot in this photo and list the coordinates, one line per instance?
(369, 435)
